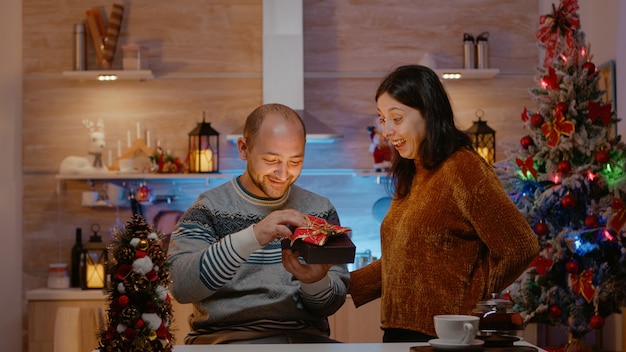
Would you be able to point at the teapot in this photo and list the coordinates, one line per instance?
(497, 317)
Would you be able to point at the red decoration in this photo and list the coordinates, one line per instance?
(144, 195)
(536, 120)
(562, 23)
(555, 311)
(524, 115)
(596, 322)
(561, 107)
(123, 301)
(591, 221)
(591, 69)
(603, 156)
(541, 229)
(541, 265)
(572, 267)
(582, 284)
(553, 130)
(599, 111)
(568, 201)
(527, 166)
(564, 167)
(551, 80)
(526, 142)
(317, 231)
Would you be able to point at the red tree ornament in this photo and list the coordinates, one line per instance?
(561, 107)
(536, 120)
(568, 201)
(541, 229)
(564, 167)
(555, 311)
(603, 156)
(572, 267)
(591, 69)
(591, 221)
(596, 322)
(526, 142)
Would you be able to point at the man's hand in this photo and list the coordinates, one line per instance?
(305, 273)
(275, 225)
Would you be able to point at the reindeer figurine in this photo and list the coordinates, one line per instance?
(93, 162)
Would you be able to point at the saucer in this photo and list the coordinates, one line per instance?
(441, 345)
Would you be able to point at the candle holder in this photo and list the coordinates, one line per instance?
(204, 148)
(483, 138)
(93, 262)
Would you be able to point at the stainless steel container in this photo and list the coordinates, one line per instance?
(482, 51)
(469, 51)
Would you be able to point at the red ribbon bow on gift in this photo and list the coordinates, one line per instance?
(527, 165)
(542, 265)
(563, 22)
(317, 231)
(553, 130)
(599, 111)
(618, 219)
(582, 284)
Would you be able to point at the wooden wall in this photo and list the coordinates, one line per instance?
(206, 56)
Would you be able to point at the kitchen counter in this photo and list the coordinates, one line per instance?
(323, 347)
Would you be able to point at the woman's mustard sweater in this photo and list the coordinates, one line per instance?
(452, 241)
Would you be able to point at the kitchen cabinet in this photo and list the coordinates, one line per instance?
(50, 311)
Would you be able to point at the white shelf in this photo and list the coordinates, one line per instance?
(108, 75)
(454, 74)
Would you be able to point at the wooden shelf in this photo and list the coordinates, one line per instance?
(454, 74)
(109, 75)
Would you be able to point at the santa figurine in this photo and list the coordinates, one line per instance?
(380, 149)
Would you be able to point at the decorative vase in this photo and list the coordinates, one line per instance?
(577, 344)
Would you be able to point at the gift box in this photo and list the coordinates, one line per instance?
(338, 249)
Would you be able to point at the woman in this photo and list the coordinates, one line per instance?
(451, 235)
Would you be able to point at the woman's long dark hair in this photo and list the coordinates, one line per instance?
(420, 88)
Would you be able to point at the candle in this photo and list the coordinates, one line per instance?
(119, 148)
(201, 160)
(95, 275)
(128, 139)
(158, 143)
(138, 130)
(110, 157)
(148, 138)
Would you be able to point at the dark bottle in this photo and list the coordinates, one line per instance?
(76, 252)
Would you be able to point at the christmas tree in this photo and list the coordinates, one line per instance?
(568, 178)
(140, 308)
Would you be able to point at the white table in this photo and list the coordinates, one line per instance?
(314, 347)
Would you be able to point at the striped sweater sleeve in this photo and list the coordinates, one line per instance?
(197, 274)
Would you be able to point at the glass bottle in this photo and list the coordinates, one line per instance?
(76, 251)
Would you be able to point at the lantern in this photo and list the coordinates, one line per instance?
(93, 262)
(204, 148)
(483, 138)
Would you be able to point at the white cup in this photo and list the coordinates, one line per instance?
(116, 194)
(456, 329)
(126, 165)
(90, 198)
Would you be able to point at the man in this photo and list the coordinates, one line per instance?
(225, 252)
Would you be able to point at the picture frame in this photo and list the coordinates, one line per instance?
(606, 83)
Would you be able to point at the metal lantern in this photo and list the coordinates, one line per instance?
(483, 138)
(204, 148)
(93, 262)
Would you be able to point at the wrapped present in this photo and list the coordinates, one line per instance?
(322, 243)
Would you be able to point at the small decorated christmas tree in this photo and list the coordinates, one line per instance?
(568, 178)
(140, 308)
